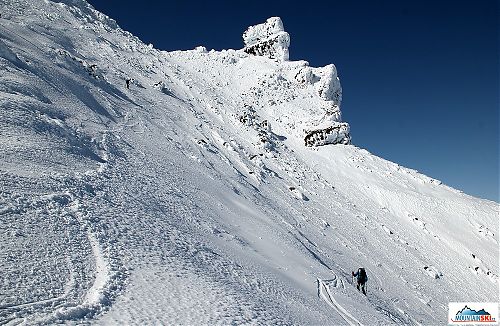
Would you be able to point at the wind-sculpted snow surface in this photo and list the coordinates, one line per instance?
(198, 195)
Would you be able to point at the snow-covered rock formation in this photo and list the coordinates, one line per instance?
(139, 186)
(328, 129)
(318, 123)
(268, 39)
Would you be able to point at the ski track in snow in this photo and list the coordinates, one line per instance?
(92, 299)
(326, 294)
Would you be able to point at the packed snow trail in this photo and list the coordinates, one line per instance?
(203, 194)
(324, 290)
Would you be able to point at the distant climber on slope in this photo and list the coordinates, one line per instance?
(361, 279)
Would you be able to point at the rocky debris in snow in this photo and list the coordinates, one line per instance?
(247, 117)
(268, 39)
(432, 272)
(159, 85)
(485, 231)
(480, 268)
(387, 230)
(91, 69)
(266, 125)
(162, 87)
(336, 134)
(297, 193)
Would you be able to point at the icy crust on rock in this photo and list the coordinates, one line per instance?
(267, 39)
(329, 129)
(258, 33)
(325, 81)
(296, 100)
(275, 92)
(336, 133)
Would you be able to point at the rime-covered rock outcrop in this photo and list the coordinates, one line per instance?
(328, 129)
(325, 81)
(267, 39)
(317, 121)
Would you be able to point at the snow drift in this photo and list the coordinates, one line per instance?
(200, 194)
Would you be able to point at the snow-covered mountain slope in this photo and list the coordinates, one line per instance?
(201, 194)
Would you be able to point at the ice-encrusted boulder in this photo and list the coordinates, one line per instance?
(325, 81)
(267, 39)
(334, 133)
(328, 129)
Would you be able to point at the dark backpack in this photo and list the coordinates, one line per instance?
(362, 277)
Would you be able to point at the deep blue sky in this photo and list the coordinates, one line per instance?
(420, 78)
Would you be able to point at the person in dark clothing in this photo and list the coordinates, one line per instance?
(361, 279)
(127, 82)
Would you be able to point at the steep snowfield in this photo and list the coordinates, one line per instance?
(192, 198)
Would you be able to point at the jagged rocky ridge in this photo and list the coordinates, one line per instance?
(324, 127)
(304, 100)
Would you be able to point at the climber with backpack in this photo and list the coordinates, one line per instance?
(361, 279)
